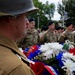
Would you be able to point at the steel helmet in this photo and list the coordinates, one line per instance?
(15, 7)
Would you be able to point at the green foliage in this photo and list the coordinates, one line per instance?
(69, 7)
(66, 47)
(49, 9)
(60, 9)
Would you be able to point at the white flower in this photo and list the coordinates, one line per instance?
(50, 49)
(69, 56)
(44, 47)
(68, 60)
(48, 54)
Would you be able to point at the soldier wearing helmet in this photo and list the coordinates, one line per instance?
(13, 23)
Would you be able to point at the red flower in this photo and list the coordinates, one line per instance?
(38, 68)
(32, 49)
(72, 51)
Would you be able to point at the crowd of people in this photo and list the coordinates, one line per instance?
(48, 33)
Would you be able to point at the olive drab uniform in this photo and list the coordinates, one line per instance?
(66, 35)
(32, 38)
(10, 64)
(49, 37)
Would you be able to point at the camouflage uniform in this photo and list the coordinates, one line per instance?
(73, 32)
(74, 35)
(41, 34)
(58, 35)
(66, 35)
(49, 37)
(30, 39)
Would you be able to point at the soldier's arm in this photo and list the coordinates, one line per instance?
(62, 38)
(43, 38)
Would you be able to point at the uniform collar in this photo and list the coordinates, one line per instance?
(10, 44)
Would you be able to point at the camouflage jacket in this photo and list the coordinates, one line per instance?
(49, 37)
(66, 35)
(30, 39)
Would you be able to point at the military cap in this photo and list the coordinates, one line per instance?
(68, 24)
(31, 19)
(50, 23)
(44, 28)
(58, 27)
